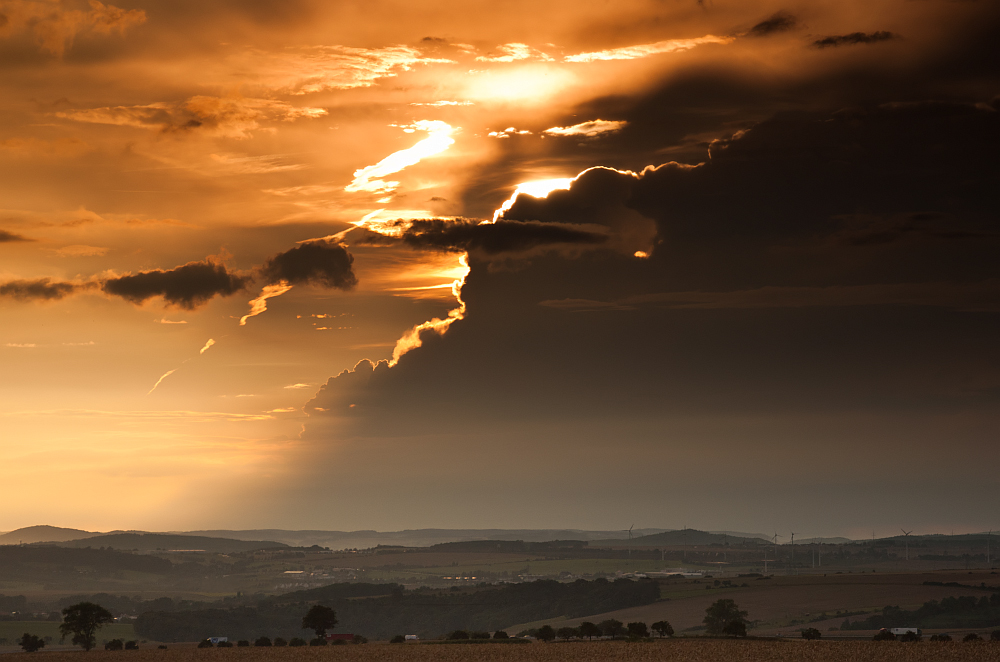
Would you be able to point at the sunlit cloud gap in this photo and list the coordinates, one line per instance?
(411, 339)
(259, 305)
(368, 179)
(538, 189)
(645, 50)
(590, 129)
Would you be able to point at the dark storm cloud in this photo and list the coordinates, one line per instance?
(40, 289)
(187, 286)
(854, 38)
(494, 238)
(780, 22)
(324, 263)
(7, 237)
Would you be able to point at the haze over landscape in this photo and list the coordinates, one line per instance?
(420, 273)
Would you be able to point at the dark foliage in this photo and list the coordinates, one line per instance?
(49, 563)
(398, 639)
(389, 609)
(972, 636)
(637, 630)
(262, 641)
(721, 615)
(31, 643)
(961, 612)
(546, 633)
(811, 634)
(663, 628)
(884, 635)
(83, 620)
(114, 645)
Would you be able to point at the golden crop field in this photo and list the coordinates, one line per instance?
(666, 651)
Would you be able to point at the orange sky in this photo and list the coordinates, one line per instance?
(296, 146)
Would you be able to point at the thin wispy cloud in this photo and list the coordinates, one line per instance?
(646, 50)
(368, 179)
(590, 129)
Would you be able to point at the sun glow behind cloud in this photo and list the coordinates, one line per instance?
(645, 50)
(368, 179)
(539, 188)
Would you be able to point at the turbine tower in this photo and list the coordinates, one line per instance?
(906, 541)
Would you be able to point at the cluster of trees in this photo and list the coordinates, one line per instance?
(81, 622)
(610, 628)
(389, 609)
(960, 612)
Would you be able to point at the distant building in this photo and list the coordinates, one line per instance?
(216, 640)
(411, 637)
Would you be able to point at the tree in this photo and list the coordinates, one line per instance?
(31, 643)
(612, 628)
(319, 619)
(132, 645)
(206, 643)
(811, 634)
(82, 620)
(546, 633)
(637, 630)
(398, 639)
(458, 634)
(501, 634)
(114, 645)
(884, 635)
(736, 629)
(262, 641)
(567, 633)
(972, 636)
(663, 628)
(296, 641)
(721, 614)
(589, 630)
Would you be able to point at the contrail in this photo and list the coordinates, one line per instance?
(165, 375)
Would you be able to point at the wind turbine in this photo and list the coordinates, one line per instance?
(906, 542)
(630, 541)
(988, 547)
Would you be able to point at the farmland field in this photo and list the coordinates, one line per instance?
(674, 650)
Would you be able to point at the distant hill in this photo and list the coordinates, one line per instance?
(411, 537)
(43, 533)
(681, 537)
(151, 542)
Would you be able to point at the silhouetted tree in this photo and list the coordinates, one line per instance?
(972, 636)
(567, 633)
(262, 641)
(500, 634)
(319, 619)
(663, 628)
(296, 641)
(398, 639)
(546, 633)
(114, 645)
(458, 634)
(736, 629)
(811, 634)
(589, 630)
(31, 643)
(279, 641)
(721, 614)
(612, 628)
(637, 630)
(82, 620)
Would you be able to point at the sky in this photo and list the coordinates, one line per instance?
(392, 265)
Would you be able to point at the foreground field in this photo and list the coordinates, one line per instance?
(673, 650)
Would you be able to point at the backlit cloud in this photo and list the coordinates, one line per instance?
(590, 129)
(235, 117)
(8, 237)
(853, 38)
(368, 179)
(40, 289)
(187, 286)
(494, 238)
(645, 50)
(513, 52)
(54, 27)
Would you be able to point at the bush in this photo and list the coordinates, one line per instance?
(884, 635)
(279, 641)
(242, 642)
(358, 639)
(224, 644)
(205, 643)
(458, 634)
(567, 633)
(637, 630)
(31, 643)
(114, 645)
(995, 635)
(398, 639)
(663, 628)
(296, 641)
(940, 637)
(162, 647)
(132, 645)
(262, 641)
(811, 634)
(972, 636)
(909, 636)
(500, 634)
(317, 641)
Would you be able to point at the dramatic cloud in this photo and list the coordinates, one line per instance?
(54, 27)
(230, 117)
(590, 129)
(312, 69)
(7, 237)
(853, 38)
(645, 50)
(780, 22)
(493, 238)
(40, 289)
(368, 179)
(187, 286)
(319, 262)
(514, 52)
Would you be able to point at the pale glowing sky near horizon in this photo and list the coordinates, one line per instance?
(640, 320)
